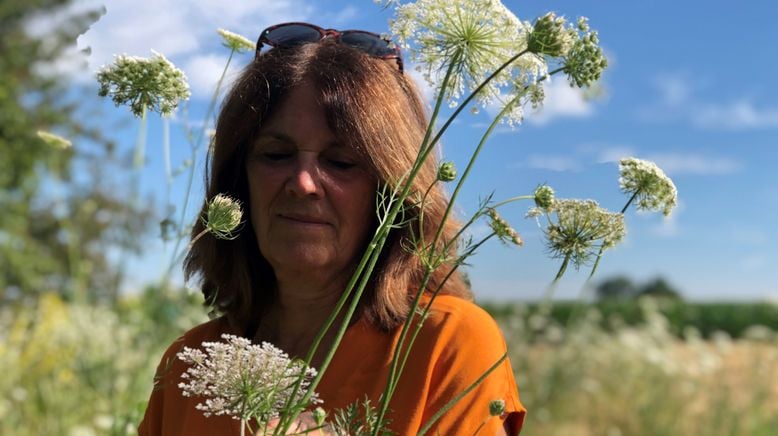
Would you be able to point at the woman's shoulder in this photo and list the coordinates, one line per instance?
(208, 331)
(452, 312)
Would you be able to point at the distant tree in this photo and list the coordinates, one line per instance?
(659, 288)
(619, 287)
(61, 216)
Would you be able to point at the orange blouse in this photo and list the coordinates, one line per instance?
(457, 344)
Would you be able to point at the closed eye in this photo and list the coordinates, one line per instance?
(341, 164)
(275, 156)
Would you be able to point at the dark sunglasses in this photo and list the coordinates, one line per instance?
(294, 34)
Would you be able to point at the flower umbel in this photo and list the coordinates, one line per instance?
(502, 229)
(581, 229)
(550, 36)
(242, 380)
(652, 189)
(238, 43)
(223, 216)
(585, 61)
(144, 83)
(475, 37)
(54, 140)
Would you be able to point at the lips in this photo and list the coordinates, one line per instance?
(303, 218)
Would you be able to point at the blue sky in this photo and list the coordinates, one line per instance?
(691, 86)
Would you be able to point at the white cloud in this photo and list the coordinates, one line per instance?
(561, 101)
(184, 31)
(668, 227)
(615, 154)
(203, 72)
(558, 163)
(740, 115)
(693, 163)
(677, 101)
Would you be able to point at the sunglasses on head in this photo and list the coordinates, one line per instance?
(294, 34)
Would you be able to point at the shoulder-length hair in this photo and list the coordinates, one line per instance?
(371, 106)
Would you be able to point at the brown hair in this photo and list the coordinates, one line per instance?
(371, 106)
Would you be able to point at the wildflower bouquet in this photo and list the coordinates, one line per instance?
(474, 53)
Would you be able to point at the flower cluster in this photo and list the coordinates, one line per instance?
(144, 84)
(447, 172)
(581, 229)
(235, 42)
(551, 37)
(544, 197)
(475, 38)
(243, 380)
(585, 61)
(223, 216)
(54, 140)
(652, 189)
(502, 229)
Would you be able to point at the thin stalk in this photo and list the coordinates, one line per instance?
(562, 269)
(166, 156)
(599, 254)
(461, 395)
(195, 148)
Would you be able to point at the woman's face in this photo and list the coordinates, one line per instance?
(311, 199)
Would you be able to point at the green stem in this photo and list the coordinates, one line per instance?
(456, 399)
(599, 253)
(166, 156)
(195, 148)
(562, 269)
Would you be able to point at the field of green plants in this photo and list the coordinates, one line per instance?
(76, 369)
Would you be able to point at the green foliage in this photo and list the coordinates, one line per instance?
(615, 288)
(734, 319)
(60, 213)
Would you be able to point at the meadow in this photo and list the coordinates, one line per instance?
(77, 369)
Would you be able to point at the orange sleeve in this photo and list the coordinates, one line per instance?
(468, 343)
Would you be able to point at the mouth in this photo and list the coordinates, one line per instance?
(303, 219)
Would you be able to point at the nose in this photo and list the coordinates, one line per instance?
(305, 180)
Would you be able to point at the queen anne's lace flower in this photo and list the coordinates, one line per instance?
(585, 61)
(477, 37)
(653, 190)
(242, 380)
(577, 229)
(551, 37)
(236, 42)
(447, 172)
(223, 216)
(144, 83)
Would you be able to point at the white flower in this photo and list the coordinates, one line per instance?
(238, 43)
(652, 189)
(476, 37)
(579, 229)
(243, 380)
(153, 84)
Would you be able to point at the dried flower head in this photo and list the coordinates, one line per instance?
(243, 380)
(653, 190)
(585, 61)
(578, 229)
(550, 36)
(544, 196)
(502, 229)
(223, 216)
(476, 37)
(54, 140)
(447, 172)
(496, 407)
(144, 83)
(233, 41)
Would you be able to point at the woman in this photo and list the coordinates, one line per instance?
(306, 136)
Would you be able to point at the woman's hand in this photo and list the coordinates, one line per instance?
(305, 424)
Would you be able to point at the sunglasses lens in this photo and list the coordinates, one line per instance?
(369, 43)
(292, 34)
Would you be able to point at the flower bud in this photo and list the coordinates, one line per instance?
(550, 37)
(544, 196)
(319, 415)
(496, 407)
(447, 172)
(223, 216)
